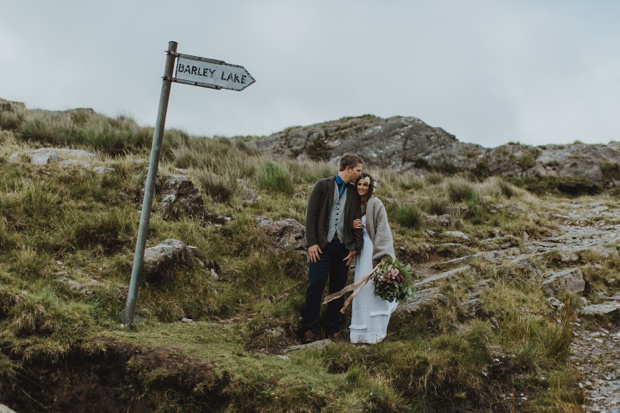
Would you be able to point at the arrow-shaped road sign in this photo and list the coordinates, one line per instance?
(215, 74)
(191, 70)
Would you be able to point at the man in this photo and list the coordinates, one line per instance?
(332, 244)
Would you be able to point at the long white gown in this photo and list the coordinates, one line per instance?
(370, 314)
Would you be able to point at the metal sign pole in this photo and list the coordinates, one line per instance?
(129, 311)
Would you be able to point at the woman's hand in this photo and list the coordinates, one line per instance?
(357, 224)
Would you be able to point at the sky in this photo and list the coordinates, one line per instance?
(487, 71)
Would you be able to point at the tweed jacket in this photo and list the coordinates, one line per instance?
(318, 212)
(379, 230)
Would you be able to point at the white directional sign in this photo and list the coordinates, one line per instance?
(215, 74)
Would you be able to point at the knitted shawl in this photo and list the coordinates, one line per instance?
(379, 230)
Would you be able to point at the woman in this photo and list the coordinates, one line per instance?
(371, 314)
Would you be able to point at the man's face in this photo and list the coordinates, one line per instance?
(351, 174)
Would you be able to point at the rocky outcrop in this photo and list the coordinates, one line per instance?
(398, 143)
(408, 144)
(11, 107)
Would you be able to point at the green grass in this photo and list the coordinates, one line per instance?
(276, 178)
(61, 224)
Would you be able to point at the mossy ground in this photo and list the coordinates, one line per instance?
(65, 349)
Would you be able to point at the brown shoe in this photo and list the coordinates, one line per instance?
(337, 338)
(309, 337)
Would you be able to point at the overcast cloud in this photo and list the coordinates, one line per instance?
(487, 71)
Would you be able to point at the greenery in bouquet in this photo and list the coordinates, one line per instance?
(393, 280)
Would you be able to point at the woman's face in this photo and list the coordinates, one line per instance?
(362, 187)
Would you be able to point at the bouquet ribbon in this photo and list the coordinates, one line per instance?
(357, 285)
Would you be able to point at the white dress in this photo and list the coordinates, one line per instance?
(370, 314)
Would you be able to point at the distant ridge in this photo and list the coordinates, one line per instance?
(408, 144)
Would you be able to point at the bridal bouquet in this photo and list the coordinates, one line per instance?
(393, 281)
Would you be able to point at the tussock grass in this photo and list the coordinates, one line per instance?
(408, 216)
(26, 201)
(276, 178)
(461, 190)
(28, 263)
(435, 205)
(105, 231)
(83, 129)
(231, 158)
(218, 188)
(308, 172)
(433, 179)
(42, 322)
(10, 120)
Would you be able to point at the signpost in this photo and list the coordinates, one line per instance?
(190, 70)
(214, 74)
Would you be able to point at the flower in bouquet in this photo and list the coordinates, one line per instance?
(393, 280)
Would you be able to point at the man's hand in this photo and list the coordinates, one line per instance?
(350, 257)
(357, 224)
(314, 252)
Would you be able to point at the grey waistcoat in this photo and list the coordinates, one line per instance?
(336, 217)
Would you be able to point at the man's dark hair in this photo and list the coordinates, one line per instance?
(350, 160)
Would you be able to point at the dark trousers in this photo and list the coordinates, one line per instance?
(329, 267)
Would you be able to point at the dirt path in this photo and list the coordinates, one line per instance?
(595, 350)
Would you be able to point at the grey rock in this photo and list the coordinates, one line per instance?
(286, 234)
(74, 285)
(555, 303)
(67, 163)
(471, 307)
(490, 256)
(527, 264)
(103, 170)
(423, 299)
(44, 156)
(317, 345)
(161, 261)
(178, 196)
(446, 275)
(600, 309)
(457, 234)
(249, 196)
(445, 220)
(566, 280)
(41, 156)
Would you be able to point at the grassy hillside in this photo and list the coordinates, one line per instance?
(212, 337)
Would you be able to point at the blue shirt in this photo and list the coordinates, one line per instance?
(341, 185)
